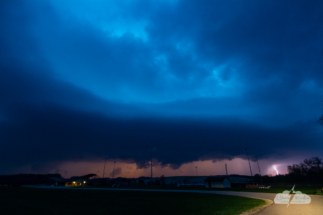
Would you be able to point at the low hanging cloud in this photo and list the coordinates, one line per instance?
(199, 81)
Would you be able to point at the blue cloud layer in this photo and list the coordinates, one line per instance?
(131, 74)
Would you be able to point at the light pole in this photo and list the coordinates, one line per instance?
(151, 163)
(114, 166)
(249, 164)
(105, 161)
(259, 170)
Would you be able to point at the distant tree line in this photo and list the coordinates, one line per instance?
(310, 171)
(27, 179)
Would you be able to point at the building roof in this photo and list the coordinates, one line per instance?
(216, 178)
(232, 179)
(240, 179)
(67, 180)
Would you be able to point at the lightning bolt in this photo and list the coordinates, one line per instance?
(276, 170)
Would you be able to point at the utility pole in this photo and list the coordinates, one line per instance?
(151, 163)
(249, 164)
(105, 161)
(114, 167)
(259, 170)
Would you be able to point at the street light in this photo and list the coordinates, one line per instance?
(249, 164)
(259, 170)
(105, 161)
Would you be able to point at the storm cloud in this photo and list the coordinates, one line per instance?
(199, 80)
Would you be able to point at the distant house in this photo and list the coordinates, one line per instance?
(227, 181)
(99, 182)
(218, 182)
(115, 182)
(178, 180)
(74, 181)
(69, 182)
(123, 182)
(186, 180)
(239, 180)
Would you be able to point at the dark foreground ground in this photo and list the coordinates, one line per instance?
(21, 200)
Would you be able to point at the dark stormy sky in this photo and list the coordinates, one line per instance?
(198, 80)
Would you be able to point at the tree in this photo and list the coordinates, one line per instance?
(314, 164)
(311, 170)
(297, 172)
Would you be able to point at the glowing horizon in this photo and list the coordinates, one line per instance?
(129, 169)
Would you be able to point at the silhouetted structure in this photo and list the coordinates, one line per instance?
(228, 181)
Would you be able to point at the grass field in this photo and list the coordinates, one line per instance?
(311, 190)
(60, 201)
